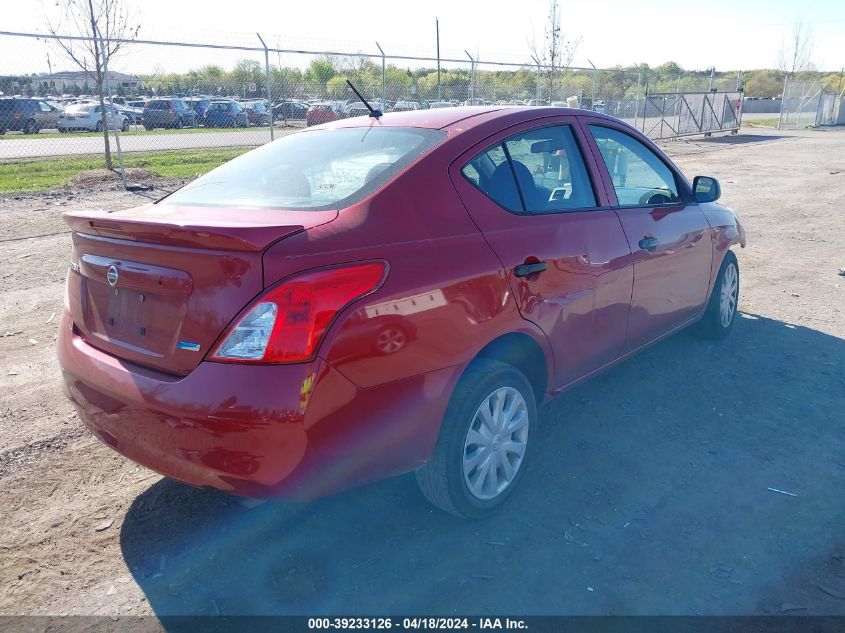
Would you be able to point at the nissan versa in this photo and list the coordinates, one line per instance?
(377, 296)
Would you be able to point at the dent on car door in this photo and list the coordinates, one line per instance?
(569, 266)
(668, 234)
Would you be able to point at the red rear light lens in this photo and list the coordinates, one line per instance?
(287, 323)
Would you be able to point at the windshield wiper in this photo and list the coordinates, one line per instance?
(376, 114)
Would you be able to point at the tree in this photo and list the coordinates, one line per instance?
(796, 55)
(556, 52)
(109, 21)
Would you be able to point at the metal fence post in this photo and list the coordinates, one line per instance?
(593, 89)
(383, 78)
(110, 105)
(267, 81)
(537, 61)
(637, 98)
(437, 26)
(471, 78)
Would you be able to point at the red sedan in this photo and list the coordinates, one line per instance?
(373, 297)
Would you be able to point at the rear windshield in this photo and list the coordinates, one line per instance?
(314, 170)
(80, 107)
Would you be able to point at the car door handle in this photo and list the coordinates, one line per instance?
(526, 270)
(648, 243)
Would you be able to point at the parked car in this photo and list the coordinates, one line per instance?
(289, 110)
(354, 301)
(88, 116)
(225, 114)
(257, 113)
(168, 113)
(405, 106)
(441, 104)
(321, 112)
(598, 106)
(134, 115)
(27, 115)
(199, 105)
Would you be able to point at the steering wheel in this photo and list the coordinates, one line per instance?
(655, 198)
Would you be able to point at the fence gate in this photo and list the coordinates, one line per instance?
(672, 114)
(806, 104)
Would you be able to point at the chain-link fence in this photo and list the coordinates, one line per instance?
(161, 95)
(807, 104)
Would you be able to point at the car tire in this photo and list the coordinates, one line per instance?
(30, 127)
(125, 126)
(469, 478)
(99, 126)
(178, 123)
(149, 128)
(720, 314)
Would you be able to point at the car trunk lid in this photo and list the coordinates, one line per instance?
(157, 285)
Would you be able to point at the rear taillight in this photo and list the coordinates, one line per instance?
(286, 324)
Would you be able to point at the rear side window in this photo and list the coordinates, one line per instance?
(492, 174)
(313, 170)
(640, 177)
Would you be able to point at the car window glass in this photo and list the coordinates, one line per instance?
(320, 169)
(639, 176)
(491, 173)
(550, 170)
(44, 107)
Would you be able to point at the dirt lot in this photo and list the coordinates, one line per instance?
(648, 494)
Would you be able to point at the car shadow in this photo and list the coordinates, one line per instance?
(648, 493)
(741, 139)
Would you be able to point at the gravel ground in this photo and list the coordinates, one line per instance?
(649, 493)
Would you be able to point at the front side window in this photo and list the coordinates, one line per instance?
(313, 170)
(538, 171)
(550, 170)
(640, 177)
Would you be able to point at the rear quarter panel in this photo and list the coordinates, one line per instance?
(445, 288)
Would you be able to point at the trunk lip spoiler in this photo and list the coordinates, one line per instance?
(252, 234)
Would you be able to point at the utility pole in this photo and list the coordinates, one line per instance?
(437, 27)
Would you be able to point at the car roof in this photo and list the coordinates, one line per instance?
(467, 116)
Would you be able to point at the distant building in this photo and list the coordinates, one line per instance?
(79, 81)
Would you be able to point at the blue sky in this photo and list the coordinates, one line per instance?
(727, 34)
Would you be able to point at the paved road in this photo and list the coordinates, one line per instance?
(68, 145)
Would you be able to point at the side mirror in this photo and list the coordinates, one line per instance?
(706, 189)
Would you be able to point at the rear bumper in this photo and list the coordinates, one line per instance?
(298, 431)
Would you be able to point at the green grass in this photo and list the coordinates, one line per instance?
(37, 175)
(769, 122)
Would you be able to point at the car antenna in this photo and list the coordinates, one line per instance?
(376, 114)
